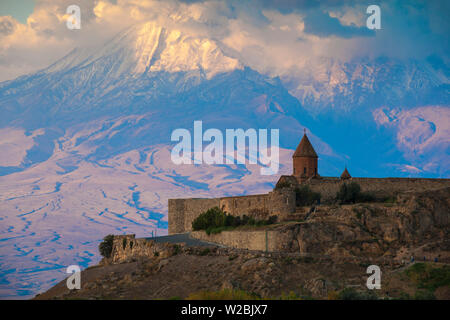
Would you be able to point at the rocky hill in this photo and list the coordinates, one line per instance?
(327, 258)
(415, 223)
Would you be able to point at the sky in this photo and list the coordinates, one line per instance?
(18, 9)
(273, 37)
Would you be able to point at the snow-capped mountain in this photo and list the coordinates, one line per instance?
(348, 97)
(326, 84)
(148, 48)
(125, 69)
(85, 143)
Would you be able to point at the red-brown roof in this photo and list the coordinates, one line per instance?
(345, 174)
(305, 149)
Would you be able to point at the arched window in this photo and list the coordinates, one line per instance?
(304, 170)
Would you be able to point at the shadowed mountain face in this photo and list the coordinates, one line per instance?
(86, 144)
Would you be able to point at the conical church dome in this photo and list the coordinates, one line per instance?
(345, 174)
(305, 149)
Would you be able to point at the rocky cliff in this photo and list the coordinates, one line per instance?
(413, 224)
(326, 251)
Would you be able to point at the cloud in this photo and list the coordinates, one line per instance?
(410, 169)
(274, 37)
(7, 25)
(323, 25)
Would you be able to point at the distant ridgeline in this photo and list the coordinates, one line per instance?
(285, 199)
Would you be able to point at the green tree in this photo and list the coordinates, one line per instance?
(349, 192)
(105, 247)
(215, 220)
(305, 197)
(212, 218)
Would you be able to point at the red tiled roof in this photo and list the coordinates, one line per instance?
(305, 149)
(345, 174)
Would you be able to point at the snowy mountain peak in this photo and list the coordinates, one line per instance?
(159, 49)
(150, 47)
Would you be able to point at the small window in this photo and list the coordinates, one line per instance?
(304, 170)
(315, 171)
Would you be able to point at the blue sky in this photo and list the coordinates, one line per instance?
(18, 9)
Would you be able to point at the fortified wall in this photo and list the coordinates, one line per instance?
(282, 203)
(127, 247)
(379, 187)
(182, 212)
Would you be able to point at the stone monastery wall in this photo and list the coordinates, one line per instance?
(380, 187)
(182, 212)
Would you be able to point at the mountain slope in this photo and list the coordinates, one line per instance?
(351, 88)
(94, 158)
(86, 142)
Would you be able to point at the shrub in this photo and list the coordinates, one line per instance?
(235, 221)
(105, 247)
(282, 185)
(176, 249)
(390, 199)
(351, 193)
(230, 220)
(424, 295)
(272, 220)
(212, 218)
(217, 230)
(290, 296)
(403, 296)
(428, 277)
(305, 197)
(358, 213)
(333, 295)
(246, 220)
(352, 294)
(215, 220)
(366, 197)
(204, 252)
(348, 193)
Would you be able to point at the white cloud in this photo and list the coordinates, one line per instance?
(349, 16)
(263, 38)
